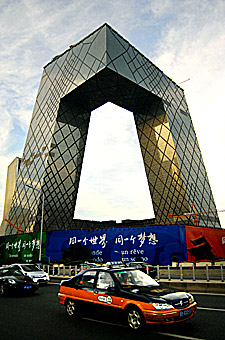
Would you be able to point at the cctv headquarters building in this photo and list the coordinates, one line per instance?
(101, 68)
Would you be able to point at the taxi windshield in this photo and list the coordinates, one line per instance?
(134, 277)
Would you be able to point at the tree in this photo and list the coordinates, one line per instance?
(76, 253)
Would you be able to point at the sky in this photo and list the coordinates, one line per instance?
(184, 38)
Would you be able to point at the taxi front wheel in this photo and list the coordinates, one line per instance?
(71, 308)
(135, 318)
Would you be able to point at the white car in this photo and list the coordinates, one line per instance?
(33, 271)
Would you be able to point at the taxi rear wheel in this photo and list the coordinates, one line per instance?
(71, 308)
(135, 318)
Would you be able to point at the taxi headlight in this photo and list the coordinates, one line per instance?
(162, 306)
(191, 299)
(11, 281)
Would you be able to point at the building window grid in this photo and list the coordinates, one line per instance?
(143, 72)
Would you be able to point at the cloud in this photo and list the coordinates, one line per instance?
(183, 38)
(113, 181)
(193, 47)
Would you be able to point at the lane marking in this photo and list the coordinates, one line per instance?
(166, 334)
(211, 309)
(178, 336)
(215, 294)
(105, 322)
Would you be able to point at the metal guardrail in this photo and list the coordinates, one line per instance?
(181, 273)
(192, 272)
(62, 270)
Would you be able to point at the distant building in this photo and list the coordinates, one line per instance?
(12, 174)
(101, 68)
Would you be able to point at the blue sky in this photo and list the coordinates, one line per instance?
(185, 39)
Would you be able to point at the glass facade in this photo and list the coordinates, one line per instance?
(102, 68)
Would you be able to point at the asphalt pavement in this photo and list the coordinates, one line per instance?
(41, 317)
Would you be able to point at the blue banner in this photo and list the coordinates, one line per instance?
(154, 244)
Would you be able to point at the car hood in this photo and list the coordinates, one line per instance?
(160, 294)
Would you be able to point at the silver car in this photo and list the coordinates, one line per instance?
(33, 271)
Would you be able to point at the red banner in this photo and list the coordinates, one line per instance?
(205, 244)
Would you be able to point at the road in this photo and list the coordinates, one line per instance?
(41, 317)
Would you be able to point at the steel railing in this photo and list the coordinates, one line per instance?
(180, 272)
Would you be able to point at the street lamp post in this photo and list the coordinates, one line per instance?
(42, 220)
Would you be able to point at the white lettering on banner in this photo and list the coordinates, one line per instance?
(124, 252)
(85, 241)
(34, 244)
(96, 252)
(134, 252)
(132, 238)
(19, 245)
(137, 252)
(94, 240)
(72, 240)
(99, 259)
(103, 240)
(120, 239)
(152, 239)
(141, 237)
(126, 259)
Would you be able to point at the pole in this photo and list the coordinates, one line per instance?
(42, 220)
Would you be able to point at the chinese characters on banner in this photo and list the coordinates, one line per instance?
(101, 240)
(132, 241)
(34, 244)
(25, 248)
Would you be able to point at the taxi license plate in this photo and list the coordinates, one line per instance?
(185, 313)
(27, 287)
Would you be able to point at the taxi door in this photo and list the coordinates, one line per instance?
(105, 293)
(85, 287)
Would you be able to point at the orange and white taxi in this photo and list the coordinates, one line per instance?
(128, 291)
